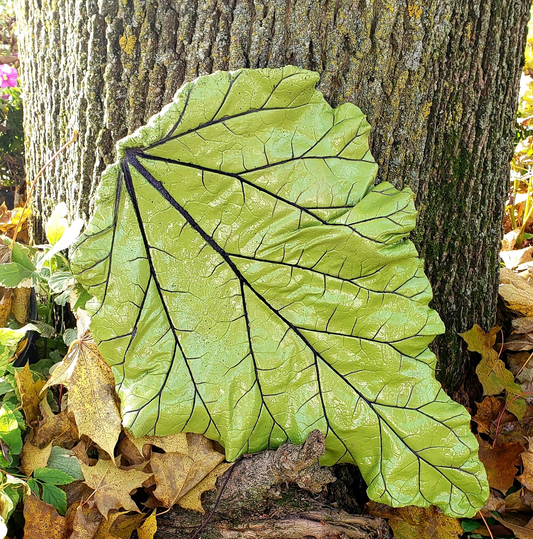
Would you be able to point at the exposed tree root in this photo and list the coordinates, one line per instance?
(276, 495)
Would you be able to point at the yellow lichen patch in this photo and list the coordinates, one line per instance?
(427, 109)
(414, 11)
(127, 44)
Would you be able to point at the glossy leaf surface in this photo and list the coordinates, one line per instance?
(252, 284)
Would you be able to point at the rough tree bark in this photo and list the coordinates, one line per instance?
(438, 80)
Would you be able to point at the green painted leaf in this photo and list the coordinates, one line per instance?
(52, 476)
(54, 496)
(252, 284)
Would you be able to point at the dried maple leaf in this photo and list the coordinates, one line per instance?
(174, 443)
(20, 304)
(417, 522)
(516, 293)
(122, 525)
(193, 499)
(516, 502)
(527, 461)
(112, 485)
(521, 532)
(487, 413)
(176, 474)
(57, 428)
(86, 521)
(91, 396)
(491, 370)
(33, 457)
(500, 462)
(149, 527)
(30, 393)
(523, 325)
(42, 520)
(5, 305)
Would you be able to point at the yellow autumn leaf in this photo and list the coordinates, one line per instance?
(118, 525)
(491, 370)
(57, 428)
(112, 485)
(149, 527)
(20, 304)
(30, 393)
(57, 223)
(42, 521)
(5, 305)
(86, 520)
(173, 443)
(33, 457)
(193, 498)
(176, 474)
(418, 522)
(91, 393)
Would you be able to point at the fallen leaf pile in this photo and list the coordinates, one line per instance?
(98, 480)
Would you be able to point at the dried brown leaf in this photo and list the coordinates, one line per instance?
(57, 428)
(417, 522)
(509, 239)
(42, 521)
(516, 293)
(176, 474)
(193, 499)
(519, 342)
(173, 443)
(149, 527)
(494, 503)
(125, 524)
(30, 393)
(104, 530)
(112, 485)
(20, 304)
(86, 521)
(33, 457)
(515, 502)
(521, 532)
(516, 257)
(523, 325)
(5, 305)
(527, 462)
(500, 462)
(91, 396)
(488, 411)
(521, 365)
(491, 370)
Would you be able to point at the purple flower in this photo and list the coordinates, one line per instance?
(8, 76)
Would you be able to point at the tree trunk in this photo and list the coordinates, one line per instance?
(438, 81)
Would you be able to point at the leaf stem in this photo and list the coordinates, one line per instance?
(486, 525)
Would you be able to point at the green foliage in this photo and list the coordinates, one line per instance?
(47, 270)
(48, 479)
(11, 137)
(252, 284)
